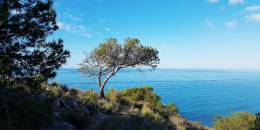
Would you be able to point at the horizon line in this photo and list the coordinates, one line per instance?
(189, 68)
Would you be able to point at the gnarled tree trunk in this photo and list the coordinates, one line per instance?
(101, 92)
(102, 85)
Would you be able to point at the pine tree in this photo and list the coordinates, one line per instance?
(26, 54)
(110, 57)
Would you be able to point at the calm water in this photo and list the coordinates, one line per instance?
(200, 95)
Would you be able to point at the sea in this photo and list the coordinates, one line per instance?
(199, 94)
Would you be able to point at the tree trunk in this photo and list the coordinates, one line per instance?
(101, 92)
(102, 85)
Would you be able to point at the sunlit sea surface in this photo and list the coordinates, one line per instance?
(199, 94)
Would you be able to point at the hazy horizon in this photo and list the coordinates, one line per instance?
(194, 68)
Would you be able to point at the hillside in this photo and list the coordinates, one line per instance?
(58, 107)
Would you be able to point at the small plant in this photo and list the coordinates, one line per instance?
(89, 97)
(106, 105)
(165, 110)
(73, 92)
(148, 112)
(134, 96)
(55, 90)
(114, 96)
(172, 109)
(236, 121)
(257, 122)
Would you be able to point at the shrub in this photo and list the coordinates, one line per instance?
(55, 90)
(172, 109)
(196, 126)
(108, 106)
(148, 112)
(23, 112)
(64, 88)
(143, 100)
(236, 121)
(257, 122)
(88, 97)
(73, 92)
(135, 95)
(114, 96)
(166, 110)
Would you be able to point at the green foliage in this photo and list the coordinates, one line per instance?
(148, 112)
(112, 54)
(30, 109)
(196, 126)
(171, 109)
(110, 104)
(26, 55)
(114, 96)
(73, 92)
(110, 57)
(55, 90)
(88, 97)
(166, 110)
(134, 96)
(236, 121)
(257, 122)
(106, 105)
(143, 101)
(22, 112)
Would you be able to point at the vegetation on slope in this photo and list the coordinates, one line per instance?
(58, 107)
(238, 121)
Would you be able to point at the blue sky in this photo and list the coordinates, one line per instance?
(216, 34)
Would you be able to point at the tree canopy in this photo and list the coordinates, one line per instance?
(110, 57)
(26, 53)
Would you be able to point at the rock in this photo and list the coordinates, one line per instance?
(43, 97)
(63, 126)
(56, 115)
(59, 125)
(69, 105)
(75, 105)
(60, 103)
(183, 124)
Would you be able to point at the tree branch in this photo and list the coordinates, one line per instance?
(114, 71)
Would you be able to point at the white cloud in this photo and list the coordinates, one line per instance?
(235, 2)
(253, 8)
(213, 1)
(107, 29)
(232, 24)
(254, 17)
(101, 20)
(222, 8)
(64, 26)
(209, 23)
(75, 29)
(73, 18)
(98, 34)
